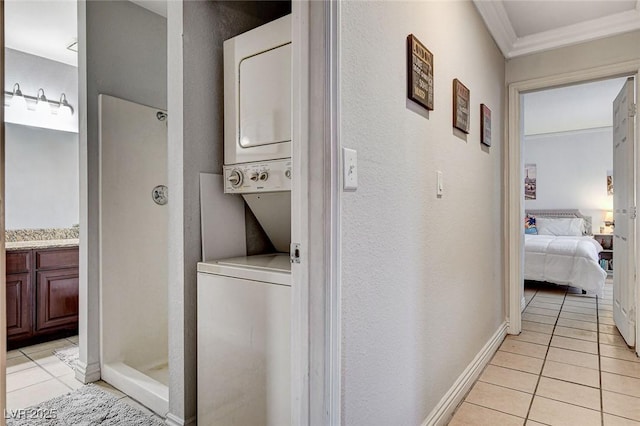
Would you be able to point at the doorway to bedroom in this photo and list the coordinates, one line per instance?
(565, 139)
(568, 166)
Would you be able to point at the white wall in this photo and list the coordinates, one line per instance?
(133, 160)
(42, 183)
(41, 178)
(33, 73)
(422, 277)
(572, 171)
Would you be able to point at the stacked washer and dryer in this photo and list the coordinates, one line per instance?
(244, 302)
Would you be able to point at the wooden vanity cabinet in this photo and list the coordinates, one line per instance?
(56, 289)
(19, 318)
(42, 294)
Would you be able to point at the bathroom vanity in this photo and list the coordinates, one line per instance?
(42, 291)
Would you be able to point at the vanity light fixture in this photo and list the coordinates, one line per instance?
(16, 99)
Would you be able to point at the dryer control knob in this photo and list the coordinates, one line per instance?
(264, 176)
(254, 177)
(235, 178)
(287, 173)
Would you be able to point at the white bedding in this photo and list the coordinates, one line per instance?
(564, 260)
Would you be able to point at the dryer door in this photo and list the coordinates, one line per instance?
(265, 100)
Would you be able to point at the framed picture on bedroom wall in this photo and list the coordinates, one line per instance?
(609, 182)
(530, 189)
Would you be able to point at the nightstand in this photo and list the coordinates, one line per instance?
(606, 255)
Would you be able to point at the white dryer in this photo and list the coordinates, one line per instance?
(257, 125)
(244, 344)
(257, 94)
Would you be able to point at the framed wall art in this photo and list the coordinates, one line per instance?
(419, 73)
(530, 179)
(485, 125)
(461, 96)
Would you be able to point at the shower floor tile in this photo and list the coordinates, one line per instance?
(160, 373)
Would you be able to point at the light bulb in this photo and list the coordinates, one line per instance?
(42, 106)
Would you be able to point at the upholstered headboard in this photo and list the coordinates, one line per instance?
(568, 213)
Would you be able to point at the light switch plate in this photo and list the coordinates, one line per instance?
(349, 169)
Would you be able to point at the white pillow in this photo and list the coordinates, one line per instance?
(560, 226)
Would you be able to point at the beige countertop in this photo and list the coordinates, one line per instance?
(41, 244)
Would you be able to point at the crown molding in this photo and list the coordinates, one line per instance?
(497, 21)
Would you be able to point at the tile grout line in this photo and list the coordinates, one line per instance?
(42, 368)
(544, 361)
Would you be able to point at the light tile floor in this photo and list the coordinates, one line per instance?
(35, 374)
(569, 366)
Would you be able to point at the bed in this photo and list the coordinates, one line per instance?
(560, 249)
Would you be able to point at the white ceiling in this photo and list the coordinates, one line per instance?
(570, 108)
(42, 28)
(521, 27)
(46, 27)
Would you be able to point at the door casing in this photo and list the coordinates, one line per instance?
(514, 199)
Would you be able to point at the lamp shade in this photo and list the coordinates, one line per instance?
(608, 217)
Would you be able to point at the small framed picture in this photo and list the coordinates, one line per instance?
(419, 73)
(485, 125)
(461, 96)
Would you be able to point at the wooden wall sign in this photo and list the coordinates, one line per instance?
(419, 73)
(485, 125)
(461, 96)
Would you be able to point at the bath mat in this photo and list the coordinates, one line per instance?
(68, 355)
(86, 406)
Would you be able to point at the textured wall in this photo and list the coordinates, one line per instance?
(576, 184)
(422, 282)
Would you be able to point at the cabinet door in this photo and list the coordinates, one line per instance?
(18, 305)
(57, 299)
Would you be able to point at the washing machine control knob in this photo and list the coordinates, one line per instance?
(264, 176)
(287, 173)
(235, 178)
(254, 176)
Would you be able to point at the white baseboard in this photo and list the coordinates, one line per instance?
(87, 373)
(523, 304)
(173, 420)
(442, 413)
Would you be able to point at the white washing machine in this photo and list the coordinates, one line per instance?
(244, 344)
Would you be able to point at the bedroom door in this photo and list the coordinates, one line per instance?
(624, 213)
